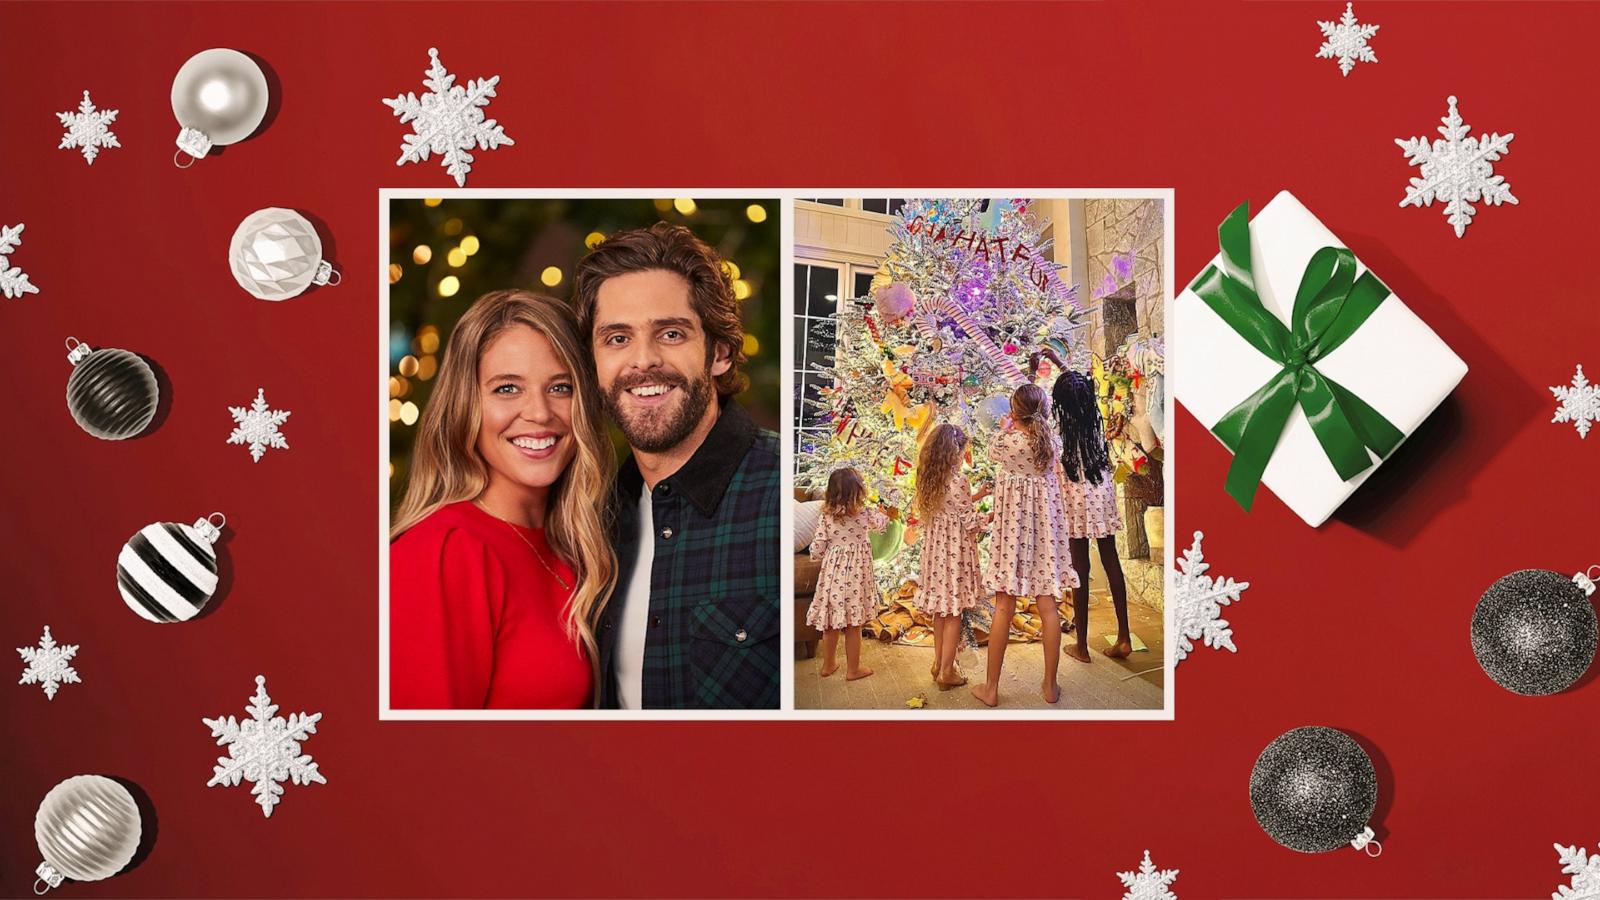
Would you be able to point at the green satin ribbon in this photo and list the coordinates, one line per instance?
(1330, 305)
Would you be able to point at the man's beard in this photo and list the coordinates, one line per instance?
(659, 430)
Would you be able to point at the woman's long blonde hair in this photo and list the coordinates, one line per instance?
(939, 460)
(1030, 410)
(446, 466)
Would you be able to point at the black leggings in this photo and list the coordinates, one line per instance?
(1080, 594)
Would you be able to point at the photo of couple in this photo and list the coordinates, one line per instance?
(536, 559)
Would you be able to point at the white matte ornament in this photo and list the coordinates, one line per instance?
(87, 828)
(219, 97)
(276, 254)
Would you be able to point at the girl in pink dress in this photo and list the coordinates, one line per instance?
(1089, 497)
(847, 592)
(950, 581)
(1028, 543)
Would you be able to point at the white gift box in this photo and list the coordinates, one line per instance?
(1394, 361)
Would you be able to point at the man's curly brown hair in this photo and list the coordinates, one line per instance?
(670, 248)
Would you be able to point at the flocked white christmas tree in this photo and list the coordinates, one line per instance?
(257, 426)
(264, 749)
(891, 381)
(1197, 602)
(1458, 170)
(47, 664)
(1579, 403)
(13, 281)
(448, 120)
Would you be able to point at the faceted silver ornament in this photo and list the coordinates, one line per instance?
(276, 254)
(1534, 632)
(1314, 789)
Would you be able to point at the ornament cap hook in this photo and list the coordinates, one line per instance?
(76, 350)
(210, 530)
(49, 876)
(326, 274)
(1585, 580)
(1366, 843)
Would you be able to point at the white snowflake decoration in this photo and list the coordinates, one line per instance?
(1198, 600)
(1347, 41)
(1457, 170)
(448, 120)
(47, 665)
(88, 129)
(258, 426)
(13, 281)
(1580, 403)
(1148, 883)
(1585, 872)
(264, 749)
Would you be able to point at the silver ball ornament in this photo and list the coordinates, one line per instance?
(87, 828)
(276, 254)
(219, 97)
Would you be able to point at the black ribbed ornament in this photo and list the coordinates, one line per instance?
(112, 394)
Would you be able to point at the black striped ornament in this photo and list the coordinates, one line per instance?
(167, 572)
(112, 393)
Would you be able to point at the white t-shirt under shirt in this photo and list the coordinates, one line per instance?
(634, 617)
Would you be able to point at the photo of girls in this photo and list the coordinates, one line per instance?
(978, 391)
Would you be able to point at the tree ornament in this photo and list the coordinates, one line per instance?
(1578, 404)
(87, 828)
(88, 129)
(1314, 789)
(276, 254)
(168, 572)
(1458, 170)
(47, 665)
(1534, 631)
(13, 281)
(112, 394)
(264, 749)
(219, 97)
(1346, 40)
(257, 426)
(448, 120)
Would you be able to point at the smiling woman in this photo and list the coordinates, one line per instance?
(499, 560)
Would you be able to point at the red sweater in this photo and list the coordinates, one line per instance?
(476, 621)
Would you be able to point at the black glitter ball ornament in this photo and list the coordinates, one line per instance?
(1314, 789)
(112, 393)
(1534, 631)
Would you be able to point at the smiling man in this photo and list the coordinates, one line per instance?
(694, 619)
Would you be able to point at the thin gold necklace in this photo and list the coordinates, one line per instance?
(536, 554)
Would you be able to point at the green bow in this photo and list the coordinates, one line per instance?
(1330, 305)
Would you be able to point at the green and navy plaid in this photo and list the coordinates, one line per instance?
(711, 639)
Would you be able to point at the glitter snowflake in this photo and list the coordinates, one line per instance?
(1580, 403)
(448, 120)
(1458, 170)
(1198, 600)
(47, 665)
(1585, 872)
(1148, 883)
(87, 129)
(1347, 41)
(264, 749)
(13, 281)
(258, 426)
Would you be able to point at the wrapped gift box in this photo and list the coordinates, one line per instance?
(1394, 361)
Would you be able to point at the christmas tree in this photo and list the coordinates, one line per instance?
(966, 295)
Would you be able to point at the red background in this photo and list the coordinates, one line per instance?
(1360, 625)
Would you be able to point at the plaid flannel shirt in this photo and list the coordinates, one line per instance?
(711, 639)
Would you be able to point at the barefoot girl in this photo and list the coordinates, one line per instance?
(950, 581)
(1090, 502)
(1027, 545)
(847, 593)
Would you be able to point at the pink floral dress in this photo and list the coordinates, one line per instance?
(950, 580)
(847, 592)
(1091, 509)
(1028, 555)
